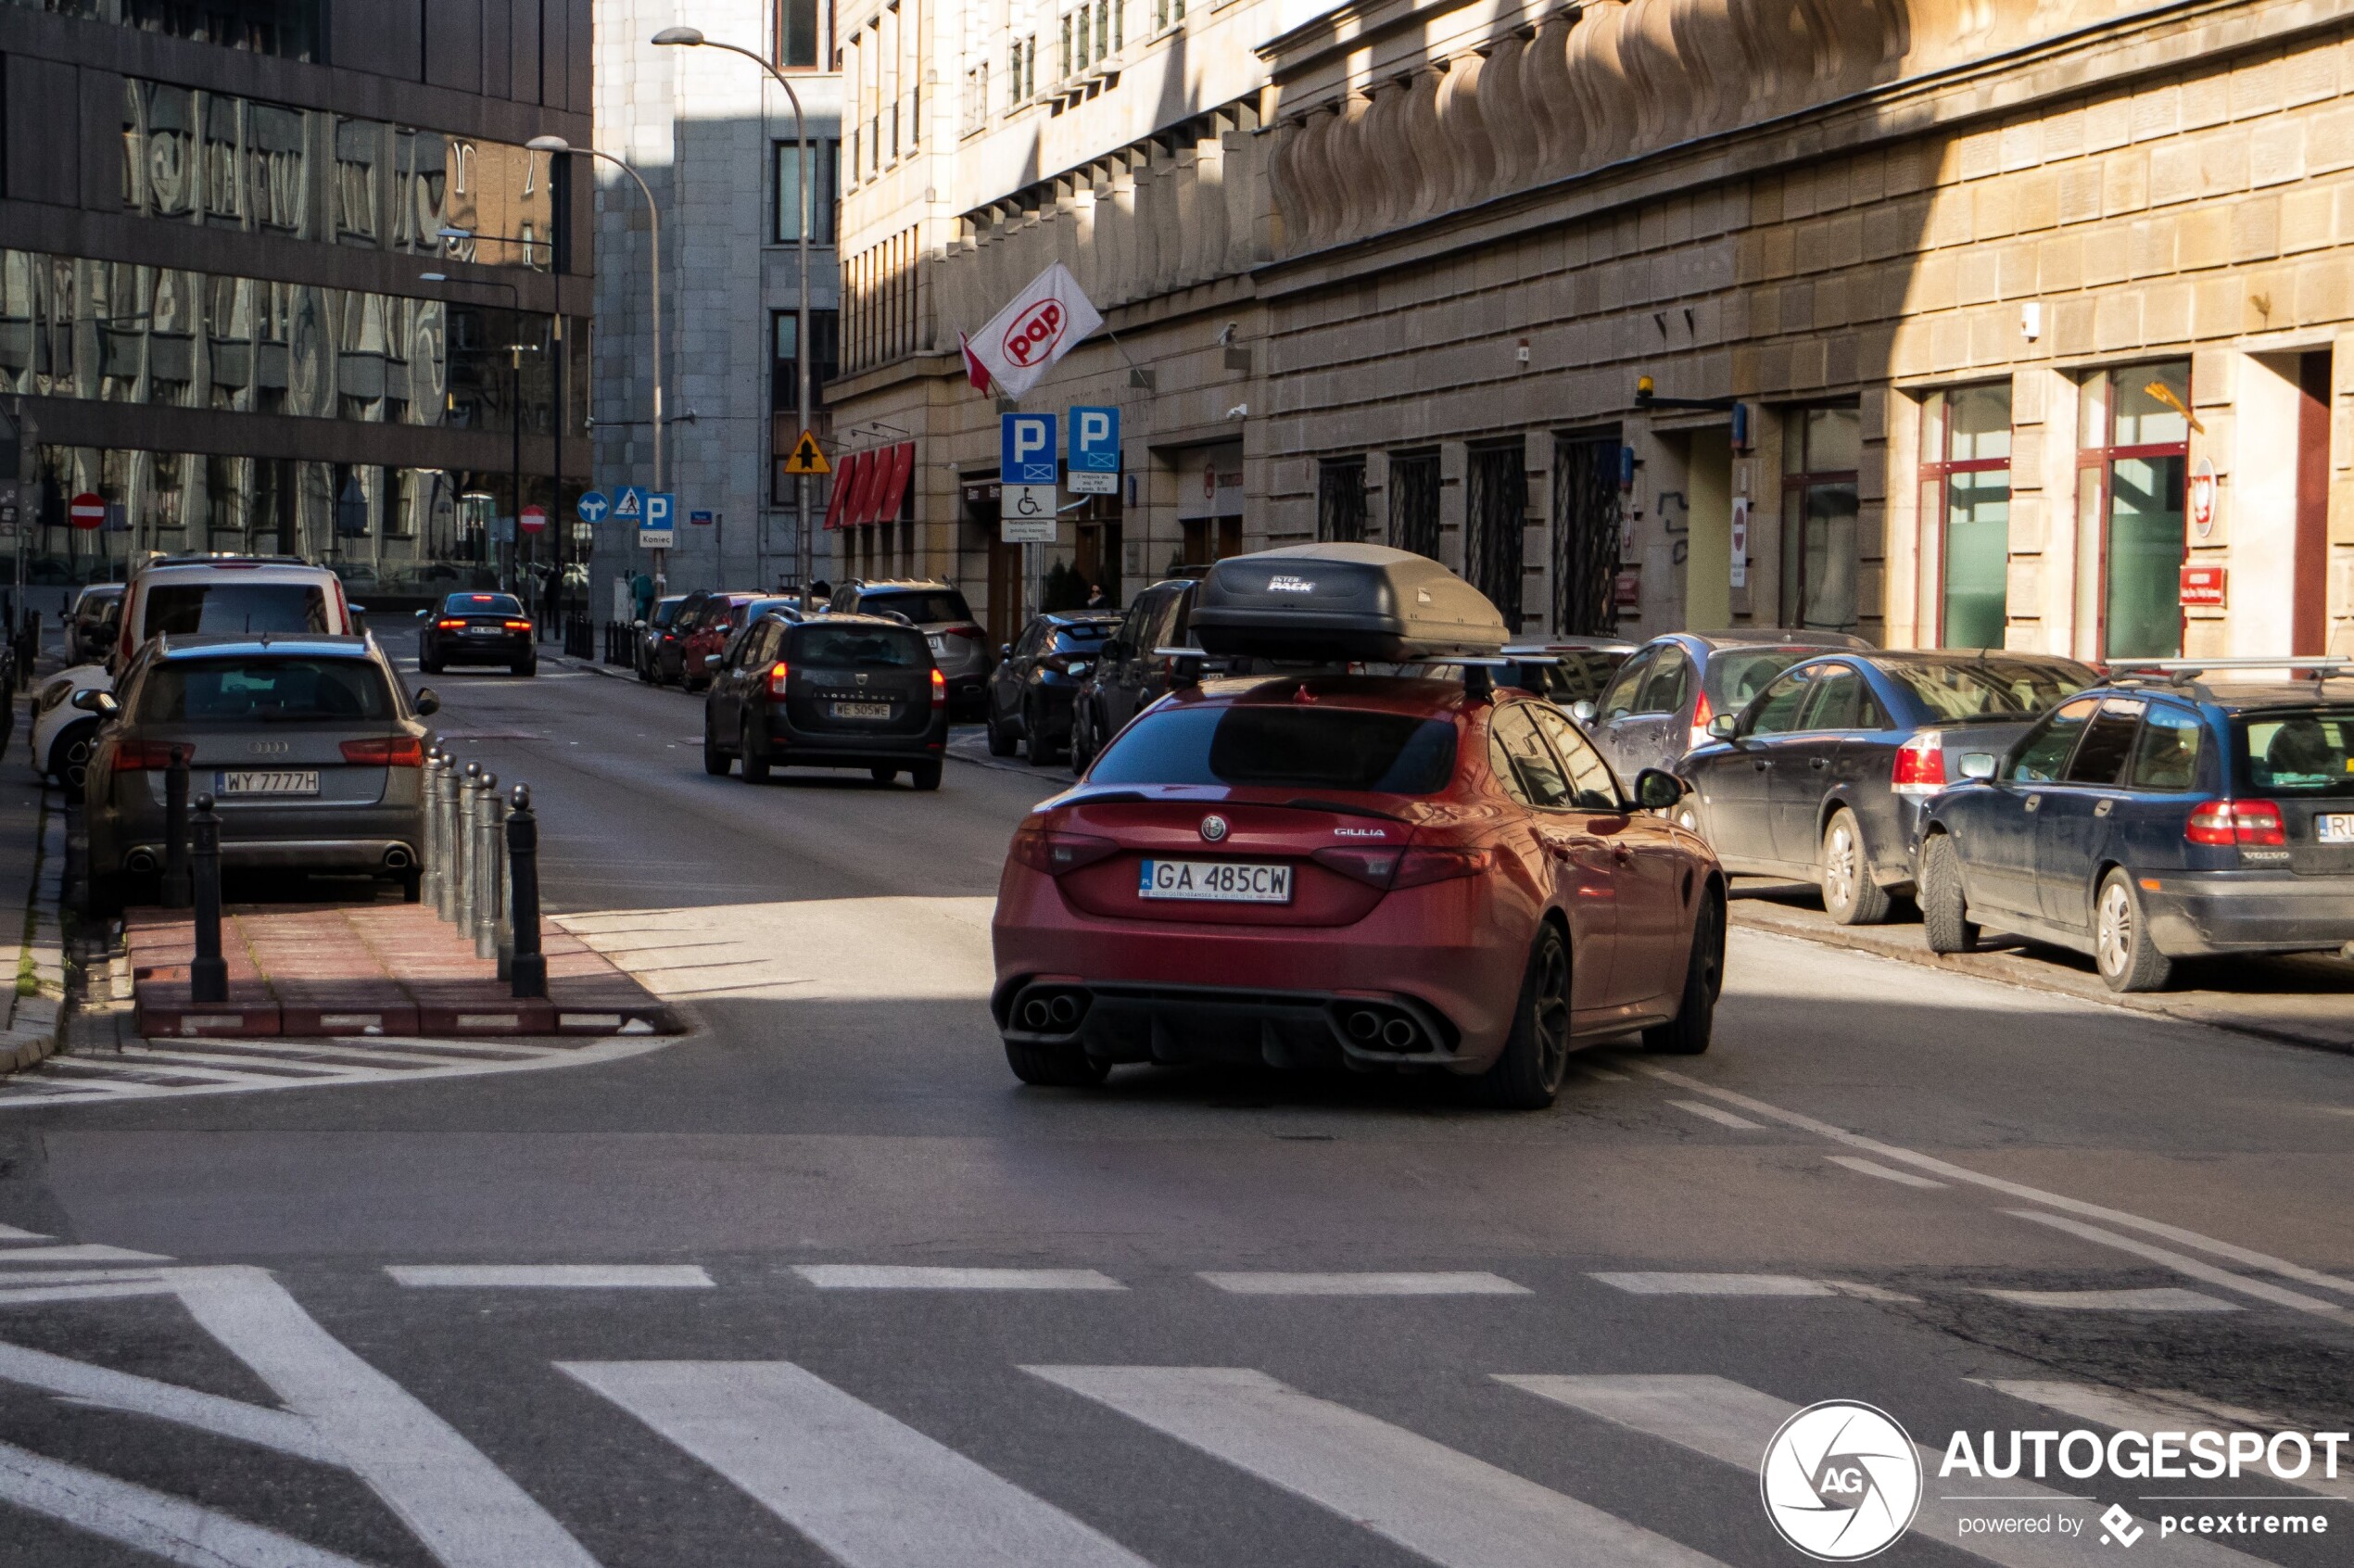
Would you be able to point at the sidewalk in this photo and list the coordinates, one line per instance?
(2306, 1000)
(32, 861)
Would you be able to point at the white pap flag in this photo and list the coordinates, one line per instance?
(1038, 326)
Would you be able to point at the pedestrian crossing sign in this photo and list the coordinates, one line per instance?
(806, 458)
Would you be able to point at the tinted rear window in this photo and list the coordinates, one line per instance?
(1987, 688)
(1735, 674)
(1289, 748)
(1070, 640)
(868, 648)
(923, 606)
(265, 690)
(185, 609)
(482, 604)
(2298, 753)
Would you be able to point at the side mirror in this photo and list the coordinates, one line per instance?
(1723, 726)
(1004, 651)
(1656, 790)
(1978, 764)
(355, 609)
(425, 704)
(1582, 711)
(95, 700)
(422, 614)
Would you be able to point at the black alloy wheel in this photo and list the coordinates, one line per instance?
(1528, 1072)
(1002, 741)
(1039, 749)
(1688, 1033)
(715, 762)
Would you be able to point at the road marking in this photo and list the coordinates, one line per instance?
(1715, 1284)
(550, 1276)
(2164, 1298)
(1459, 1283)
(889, 1276)
(1730, 1422)
(451, 1498)
(1603, 1073)
(1863, 1167)
(867, 1489)
(1452, 1508)
(2154, 1411)
(95, 1291)
(172, 1528)
(87, 1384)
(1964, 1174)
(10, 1233)
(1708, 1112)
(2278, 1295)
(84, 1252)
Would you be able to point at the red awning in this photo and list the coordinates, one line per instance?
(899, 463)
(861, 509)
(846, 476)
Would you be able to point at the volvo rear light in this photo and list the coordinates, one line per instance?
(148, 756)
(1374, 868)
(1921, 765)
(1422, 866)
(1056, 853)
(1702, 713)
(2236, 822)
(938, 688)
(391, 751)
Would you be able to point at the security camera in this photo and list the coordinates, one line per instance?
(1226, 335)
(1240, 410)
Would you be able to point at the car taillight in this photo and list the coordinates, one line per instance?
(1703, 713)
(449, 625)
(1921, 765)
(518, 625)
(1056, 853)
(779, 674)
(2236, 822)
(1431, 865)
(1374, 868)
(939, 689)
(148, 756)
(392, 750)
(971, 633)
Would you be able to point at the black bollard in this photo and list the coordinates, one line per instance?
(529, 967)
(209, 976)
(178, 889)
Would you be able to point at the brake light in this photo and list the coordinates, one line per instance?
(449, 625)
(518, 625)
(2236, 822)
(779, 674)
(973, 633)
(1703, 713)
(1921, 765)
(391, 751)
(1374, 868)
(938, 688)
(148, 756)
(1420, 867)
(1055, 852)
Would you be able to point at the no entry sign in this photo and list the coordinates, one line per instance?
(534, 519)
(87, 510)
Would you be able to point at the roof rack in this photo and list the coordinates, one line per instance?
(2323, 666)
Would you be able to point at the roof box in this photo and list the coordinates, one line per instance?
(1329, 601)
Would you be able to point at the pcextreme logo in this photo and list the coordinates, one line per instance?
(1842, 1481)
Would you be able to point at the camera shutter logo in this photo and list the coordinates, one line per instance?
(1842, 1481)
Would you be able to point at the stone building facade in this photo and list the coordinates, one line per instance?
(713, 136)
(1961, 322)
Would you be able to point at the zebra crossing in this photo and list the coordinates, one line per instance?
(854, 1457)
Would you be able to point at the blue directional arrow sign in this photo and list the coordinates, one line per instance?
(1026, 449)
(592, 506)
(1094, 451)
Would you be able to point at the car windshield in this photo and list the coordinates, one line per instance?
(185, 609)
(265, 689)
(482, 604)
(2298, 753)
(865, 648)
(923, 606)
(1735, 674)
(1290, 747)
(1581, 675)
(1987, 688)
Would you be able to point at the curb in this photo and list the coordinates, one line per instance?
(36, 1003)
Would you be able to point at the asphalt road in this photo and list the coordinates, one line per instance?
(822, 1284)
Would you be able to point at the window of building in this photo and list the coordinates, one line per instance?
(1496, 524)
(812, 199)
(976, 106)
(1966, 515)
(288, 29)
(825, 333)
(801, 32)
(1168, 13)
(1063, 59)
(1413, 503)
(1021, 70)
(2132, 457)
(1822, 450)
(1340, 499)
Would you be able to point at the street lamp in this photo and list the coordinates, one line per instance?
(692, 37)
(653, 215)
(515, 381)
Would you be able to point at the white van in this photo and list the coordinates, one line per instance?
(232, 596)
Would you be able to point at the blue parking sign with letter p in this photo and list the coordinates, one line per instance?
(1026, 449)
(1094, 440)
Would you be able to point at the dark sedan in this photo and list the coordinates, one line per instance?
(836, 691)
(666, 653)
(649, 633)
(477, 628)
(1823, 775)
(2152, 819)
(1661, 702)
(1029, 694)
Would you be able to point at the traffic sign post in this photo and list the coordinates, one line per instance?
(1094, 451)
(807, 457)
(1026, 513)
(655, 527)
(592, 507)
(1028, 472)
(87, 510)
(1026, 449)
(535, 517)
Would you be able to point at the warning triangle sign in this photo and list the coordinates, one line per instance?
(806, 458)
(631, 506)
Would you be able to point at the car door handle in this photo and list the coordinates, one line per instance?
(1621, 854)
(2034, 803)
(2104, 808)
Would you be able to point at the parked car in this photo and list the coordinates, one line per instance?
(644, 635)
(1659, 705)
(93, 621)
(840, 690)
(785, 607)
(1823, 776)
(1127, 675)
(63, 735)
(2152, 819)
(477, 628)
(1579, 668)
(308, 744)
(1037, 675)
(666, 656)
(939, 610)
(229, 596)
(716, 622)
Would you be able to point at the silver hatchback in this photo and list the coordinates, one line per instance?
(309, 745)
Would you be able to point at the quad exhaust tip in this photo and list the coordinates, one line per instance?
(1374, 1027)
(1050, 1012)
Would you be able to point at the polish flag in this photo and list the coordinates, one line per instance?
(975, 372)
(1037, 327)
